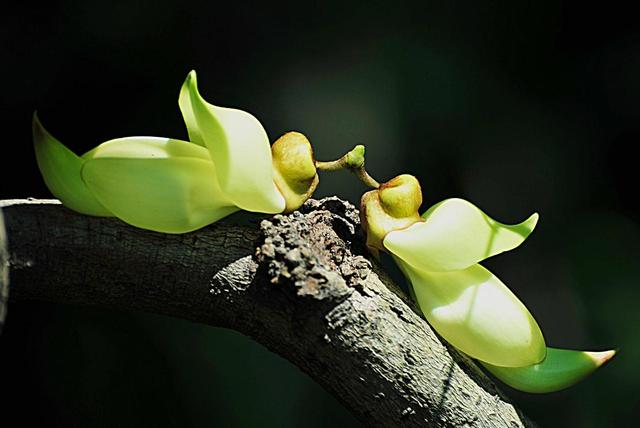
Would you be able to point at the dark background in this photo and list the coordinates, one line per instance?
(516, 106)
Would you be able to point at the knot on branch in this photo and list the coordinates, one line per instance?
(316, 250)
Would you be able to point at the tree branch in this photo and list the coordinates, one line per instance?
(301, 284)
(4, 271)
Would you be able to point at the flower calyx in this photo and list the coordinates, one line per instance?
(393, 206)
(294, 169)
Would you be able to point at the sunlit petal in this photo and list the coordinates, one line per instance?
(60, 168)
(171, 195)
(475, 312)
(455, 234)
(559, 370)
(147, 148)
(238, 146)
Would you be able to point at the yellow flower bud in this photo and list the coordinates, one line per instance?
(401, 196)
(294, 169)
(394, 206)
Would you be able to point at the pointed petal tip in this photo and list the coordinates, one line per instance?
(602, 357)
(35, 120)
(526, 227)
(39, 132)
(192, 78)
(189, 83)
(532, 221)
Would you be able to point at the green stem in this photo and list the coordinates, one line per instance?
(330, 165)
(354, 162)
(364, 176)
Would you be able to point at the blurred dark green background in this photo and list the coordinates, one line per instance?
(516, 106)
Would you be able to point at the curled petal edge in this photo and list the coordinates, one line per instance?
(454, 235)
(146, 148)
(238, 146)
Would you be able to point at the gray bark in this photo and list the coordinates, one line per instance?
(302, 284)
(4, 272)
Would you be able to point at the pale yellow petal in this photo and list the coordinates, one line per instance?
(238, 146)
(170, 195)
(454, 235)
(475, 312)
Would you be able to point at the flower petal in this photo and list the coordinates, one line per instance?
(455, 235)
(147, 148)
(170, 195)
(60, 168)
(475, 312)
(239, 147)
(559, 370)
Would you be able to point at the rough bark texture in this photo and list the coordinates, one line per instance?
(300, 284)
(4, 272)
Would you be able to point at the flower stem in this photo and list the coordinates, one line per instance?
(364, 176)
(354, 162)
(330, 165)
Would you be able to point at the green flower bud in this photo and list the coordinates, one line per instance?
(394, 206)
(294, 169)
(355, 158)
